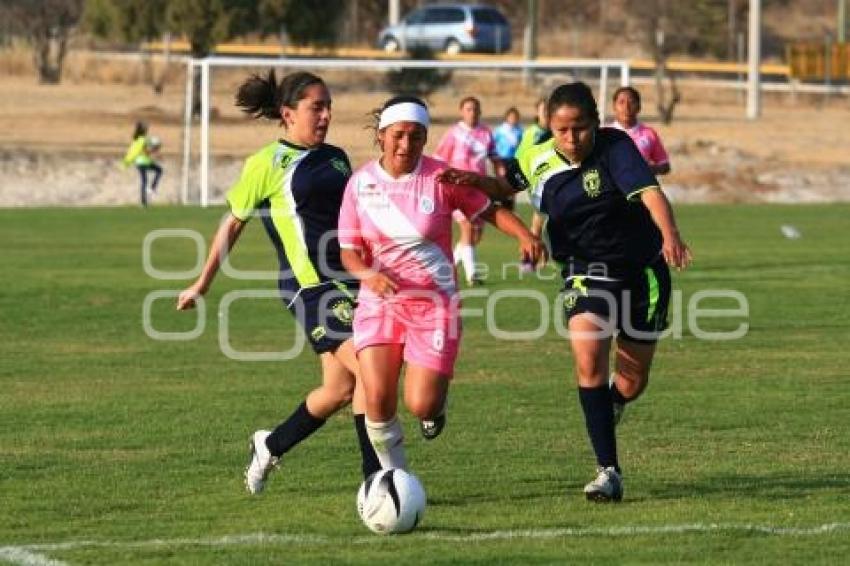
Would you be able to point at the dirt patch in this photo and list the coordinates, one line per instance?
(62, 145)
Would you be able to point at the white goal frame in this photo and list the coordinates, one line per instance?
(602, 65)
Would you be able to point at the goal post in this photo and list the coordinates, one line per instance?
(603, 67)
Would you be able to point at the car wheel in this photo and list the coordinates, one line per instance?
(391, 45)
(452, 47)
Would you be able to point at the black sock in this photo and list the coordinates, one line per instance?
(293, 430)
(616, 396)
(370, 463)
(599, 420)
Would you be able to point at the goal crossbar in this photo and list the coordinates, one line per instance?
(621, 66)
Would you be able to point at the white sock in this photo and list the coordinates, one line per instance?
(467, 259)
(388, 441)
(458, 253)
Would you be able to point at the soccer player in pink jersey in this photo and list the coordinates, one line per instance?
(626, 109)
(467, 145)
(395, 237)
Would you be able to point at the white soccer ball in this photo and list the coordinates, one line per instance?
(154, 142)
(391, 501)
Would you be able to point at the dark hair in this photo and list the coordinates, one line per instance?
(577, 95)
(262, 97)
(375, 113)
(466, 99)
(141, 129)
(631, 90)
(511, 110)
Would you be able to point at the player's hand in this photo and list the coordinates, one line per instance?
(458, 177)
(533, 251)
(676, 252)
(186, 299)
(380, 284)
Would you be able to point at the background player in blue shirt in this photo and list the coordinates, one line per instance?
(612, 230)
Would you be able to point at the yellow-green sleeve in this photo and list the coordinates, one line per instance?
(250, 190)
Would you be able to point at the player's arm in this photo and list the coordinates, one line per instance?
(675, 251)
(225, 237)
(497, 188)
(354, 262)
(537, 222)
(531, 248)
(660, 168)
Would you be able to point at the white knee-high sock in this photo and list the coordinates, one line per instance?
(458, 253)
(465, 254)
(388, 441)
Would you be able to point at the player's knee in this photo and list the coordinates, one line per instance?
(423, 407)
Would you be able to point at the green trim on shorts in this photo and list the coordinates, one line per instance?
(652, 284)
(343, 289)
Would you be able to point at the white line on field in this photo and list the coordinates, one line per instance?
(19, 555)
(26, 554)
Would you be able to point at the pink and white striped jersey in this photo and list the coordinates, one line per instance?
(647, 141)
(405, 225)
(467, 148)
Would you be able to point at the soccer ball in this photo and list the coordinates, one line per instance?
(391, 501)
(154, 142)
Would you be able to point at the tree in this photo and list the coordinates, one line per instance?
(419, 82)
(47, 25)
(130, 21)
(666, 27)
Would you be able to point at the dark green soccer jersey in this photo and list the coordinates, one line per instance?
(297, 192)
(594, 213)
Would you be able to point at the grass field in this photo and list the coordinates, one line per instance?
(116, 448)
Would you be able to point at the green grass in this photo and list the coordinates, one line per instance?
(137, 446)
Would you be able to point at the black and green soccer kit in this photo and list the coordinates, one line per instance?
(599, 231)
(297, 192)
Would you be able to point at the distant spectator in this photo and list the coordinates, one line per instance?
(538, 132)
(508, 134)
(143, 153)
(626, 109)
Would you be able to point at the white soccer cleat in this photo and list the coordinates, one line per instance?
(608, 486)
(262, 463)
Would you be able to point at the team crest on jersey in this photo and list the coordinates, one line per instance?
(426, 205)
(342, 311)
(542, 168)
(318, 333)
(340, 166)
(592, 183)
(282, 158)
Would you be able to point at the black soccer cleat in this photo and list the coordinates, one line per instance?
(431, 429)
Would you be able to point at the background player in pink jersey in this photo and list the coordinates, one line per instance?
(626, 109)
(395, 236)
(467, 146)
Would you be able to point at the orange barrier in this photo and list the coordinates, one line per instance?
(813, 61)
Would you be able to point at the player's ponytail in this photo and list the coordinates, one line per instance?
(263, 97)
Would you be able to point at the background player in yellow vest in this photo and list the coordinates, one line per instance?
(143, 153)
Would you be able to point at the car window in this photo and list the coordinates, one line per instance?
(443, 16)
(415, 17)
(487, 16)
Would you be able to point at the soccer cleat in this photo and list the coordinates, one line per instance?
(431, 429)
(262, 463)
(608, 486)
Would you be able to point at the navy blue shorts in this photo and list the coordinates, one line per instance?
(325, 312)
(635, 305)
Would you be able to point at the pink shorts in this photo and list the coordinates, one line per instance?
(460, 217)
(430, 332)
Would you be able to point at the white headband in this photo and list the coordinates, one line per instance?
(404, 112)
